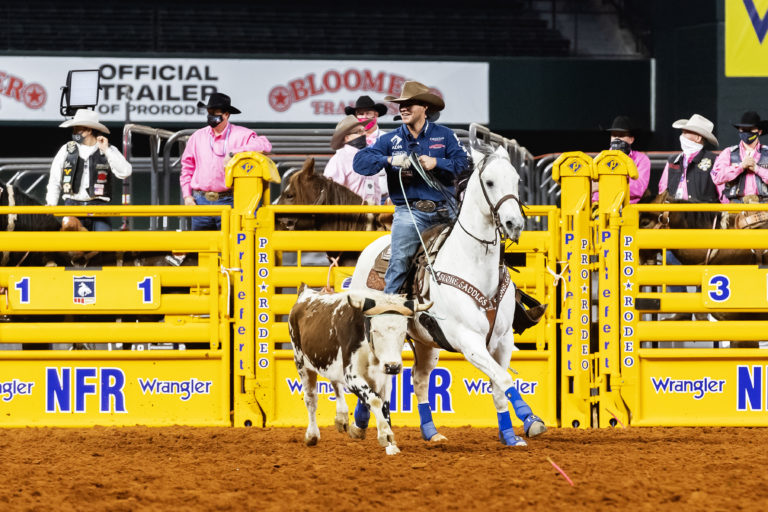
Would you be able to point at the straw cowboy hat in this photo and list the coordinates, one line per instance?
(751, 119)
(219, 100)
(699, 125)
(87, 118)
(415, 91)
(345, 126)
(367, 103)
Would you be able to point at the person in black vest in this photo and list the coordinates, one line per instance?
(688, 175)
(743, 169)
(82, 170)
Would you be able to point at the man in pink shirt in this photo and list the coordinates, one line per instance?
(743, 169)
(349, 138)
(368, 112)
(622, 138)
(207, 153)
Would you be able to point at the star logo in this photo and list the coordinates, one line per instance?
(263, 287)
(705, 164)
(584, 289)
(34, 96)
(280, 98)
(628, 285)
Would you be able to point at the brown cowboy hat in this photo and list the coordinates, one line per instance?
(367, 103)
(345, 126)
(415, 91)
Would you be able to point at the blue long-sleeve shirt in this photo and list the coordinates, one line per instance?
(434, 140)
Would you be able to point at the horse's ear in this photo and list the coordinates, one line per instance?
(502, 152)
(476, 155)
(308, 169)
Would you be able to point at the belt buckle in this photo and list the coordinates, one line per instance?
(425, 205)
(211, 196)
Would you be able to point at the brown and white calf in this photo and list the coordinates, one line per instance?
(355, 340)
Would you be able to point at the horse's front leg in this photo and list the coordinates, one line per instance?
(426, 359)
(473, 347)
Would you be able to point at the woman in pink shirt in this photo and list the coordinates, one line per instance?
(207, 153)
(349, 138)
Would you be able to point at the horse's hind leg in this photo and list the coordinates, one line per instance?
(342, 411)
(426, 360)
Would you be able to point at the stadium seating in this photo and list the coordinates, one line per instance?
(499, 29)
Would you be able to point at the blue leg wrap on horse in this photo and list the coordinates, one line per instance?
(362, 415)
(507, 433)
(522, 410)
(428, 429)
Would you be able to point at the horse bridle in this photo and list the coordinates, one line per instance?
(494, 208)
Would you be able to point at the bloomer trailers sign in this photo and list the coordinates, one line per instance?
(152, 90)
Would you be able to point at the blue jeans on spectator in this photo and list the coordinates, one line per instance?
(209, 223)
(405, 239)
(91, 223)
(672, 260)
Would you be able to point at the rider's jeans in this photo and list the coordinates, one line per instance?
(405, 241)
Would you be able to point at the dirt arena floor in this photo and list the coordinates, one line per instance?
(184, 468)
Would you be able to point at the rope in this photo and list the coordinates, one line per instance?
(226, 271)
(334, 263)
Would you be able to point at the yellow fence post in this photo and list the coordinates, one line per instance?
(253, 375)
(611, 170)
(574, 172)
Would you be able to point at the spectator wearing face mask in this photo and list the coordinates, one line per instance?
(368, 112)
(688, 175)
(206, 155)
(83, 168)
(348, 138)
(622, 138)
(743, 169)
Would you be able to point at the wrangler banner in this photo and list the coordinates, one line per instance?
(746, 45)
(152, 90)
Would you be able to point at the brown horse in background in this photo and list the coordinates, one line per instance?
(700, 220)
(305, 187)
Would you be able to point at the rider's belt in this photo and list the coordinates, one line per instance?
(426, 205)
(212, 196)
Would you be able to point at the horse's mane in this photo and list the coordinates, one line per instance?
(27, 222)
(332, 193)
(695, 220)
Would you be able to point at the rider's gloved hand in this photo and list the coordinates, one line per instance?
(400, 161)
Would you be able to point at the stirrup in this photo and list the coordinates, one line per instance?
(508, 437)
(533, 426)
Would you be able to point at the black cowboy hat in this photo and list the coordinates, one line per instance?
(751, 119)
(367, 103)
(219, 100)
(621, 124)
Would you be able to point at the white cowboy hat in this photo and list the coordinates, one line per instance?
(87, 118)
(415, 91)
(699, 125)
(343, 129)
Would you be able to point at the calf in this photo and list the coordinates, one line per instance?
(353, 339)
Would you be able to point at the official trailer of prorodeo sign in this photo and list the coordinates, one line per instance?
(153, 90)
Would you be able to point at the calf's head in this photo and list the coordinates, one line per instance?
(386, 323)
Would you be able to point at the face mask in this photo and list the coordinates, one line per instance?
(688, 146)
(78, 137)
(357, 142)
(621, 145)
(748, 137)
(214, 121)
(367, 123)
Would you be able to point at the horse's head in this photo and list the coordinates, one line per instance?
(303, 187)
(494, 190)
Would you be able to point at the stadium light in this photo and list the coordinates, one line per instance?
(81, 91)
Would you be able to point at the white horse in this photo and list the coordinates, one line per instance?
(472, 253)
